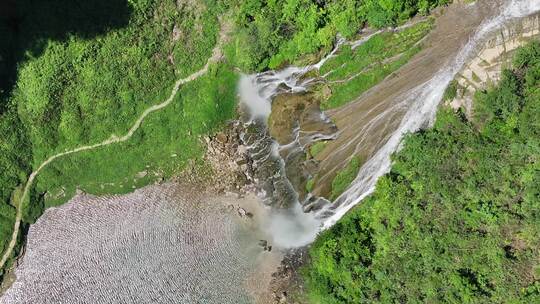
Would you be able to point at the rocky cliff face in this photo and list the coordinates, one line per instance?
(366, 124)
(485, 69)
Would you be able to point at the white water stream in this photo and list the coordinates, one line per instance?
(422, 106)
(257, 91)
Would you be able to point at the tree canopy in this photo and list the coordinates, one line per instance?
(457, 218)
(273, 32)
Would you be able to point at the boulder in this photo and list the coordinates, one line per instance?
(221, 137)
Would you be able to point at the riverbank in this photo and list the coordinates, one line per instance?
(88, 133)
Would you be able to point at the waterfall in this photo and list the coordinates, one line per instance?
(291, 227)
(422, 104)
(288, 224)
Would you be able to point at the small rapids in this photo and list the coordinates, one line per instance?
(257, 92)
(289, 225)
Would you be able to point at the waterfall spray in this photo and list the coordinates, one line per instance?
(292, 227)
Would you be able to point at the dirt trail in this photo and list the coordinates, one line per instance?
(367, 123)
(113, 139)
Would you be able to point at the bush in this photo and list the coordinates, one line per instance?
(285, 31)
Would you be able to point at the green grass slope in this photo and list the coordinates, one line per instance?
(78, 71)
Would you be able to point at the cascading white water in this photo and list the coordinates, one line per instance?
(257, 90)
(291, 228)
(422, 105)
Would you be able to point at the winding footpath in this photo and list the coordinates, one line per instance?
(216, 56)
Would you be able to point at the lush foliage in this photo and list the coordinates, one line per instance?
(457, 220)
(74, 93)
(27, 25)
(274, 32)
(80, 90)
(344, 178)
(164, 145)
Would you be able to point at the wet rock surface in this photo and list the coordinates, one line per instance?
(267, 166)
(296, 122)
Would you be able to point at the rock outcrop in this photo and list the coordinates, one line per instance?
(485, 69)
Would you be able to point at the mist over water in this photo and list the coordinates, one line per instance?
(292, 227)
(255, 101)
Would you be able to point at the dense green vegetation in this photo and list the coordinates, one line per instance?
(354, 71)
(74, 93)
(73, 73)
(344, 178)
(274, 33)
(79, 89)
(26, 26)
(164, 145)
(457, 218)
